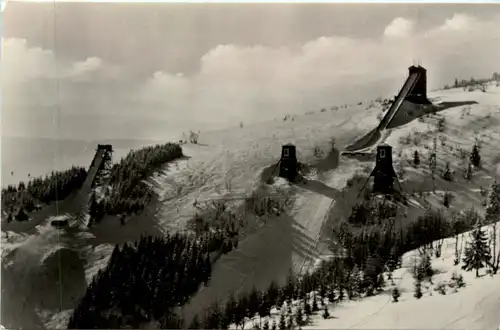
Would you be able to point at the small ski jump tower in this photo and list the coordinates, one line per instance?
(288, 162)
(107, 158)
(383, 173)
(418, 94)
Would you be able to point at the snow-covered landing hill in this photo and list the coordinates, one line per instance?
(474, 306)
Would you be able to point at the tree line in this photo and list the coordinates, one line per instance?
(129, 191)
(148, 281)
(18, 200)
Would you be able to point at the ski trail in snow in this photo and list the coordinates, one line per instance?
(232, 161)
(312, 211)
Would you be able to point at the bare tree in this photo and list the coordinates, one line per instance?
(495, 254)
(492, 215)
(433, 163)
(455, 225)
(193, 137)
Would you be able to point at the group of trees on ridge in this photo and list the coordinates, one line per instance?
(473, 83)
(26, 197)
(148, 281)
(373, 240)
(144, 280)
(129, 193)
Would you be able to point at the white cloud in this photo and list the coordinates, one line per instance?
(242, 83)
(40, 89)
(400, 27)
(459, 22)
(24, 64)
(253, 81)
(84, 68)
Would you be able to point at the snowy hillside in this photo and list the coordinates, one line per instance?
(234, 159)
(231, 163)
(443, 305)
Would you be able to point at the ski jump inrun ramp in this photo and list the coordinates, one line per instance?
(93, 170)
(85, 190)
(414, 90)
(396, 105)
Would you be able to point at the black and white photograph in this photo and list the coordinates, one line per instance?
(271, 166)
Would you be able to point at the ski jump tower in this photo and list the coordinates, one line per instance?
(289, 166)
(418, 94)
(383, 174)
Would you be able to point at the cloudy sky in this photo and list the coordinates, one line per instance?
(146, 70)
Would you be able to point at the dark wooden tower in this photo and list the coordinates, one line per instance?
(418, 94)
(106, 147)
(107, 157)
(289, 167)
(383, 172)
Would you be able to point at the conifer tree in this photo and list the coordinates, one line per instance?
(476, 254)
(231, 309)
(315, 303)
(395, 294)
(290, 322)
(282, 324)
(273, 293)
(418, 289)
(299, 316)
(475, 157)
(493, 216)
(254, 301)
(264, 306)
(307, 308)
(280, 299)
(447, 173)
(241, 311)
(493, 206)
(416, 158)
(214, 319)
(326, 313)
(468, 172)
(446, 199)
(331, 294)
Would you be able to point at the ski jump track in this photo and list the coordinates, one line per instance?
(387, 119)
(82, 197)
(396, 105)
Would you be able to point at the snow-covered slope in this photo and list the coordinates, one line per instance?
(235, 158)
(231, 162)
(474, 306)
